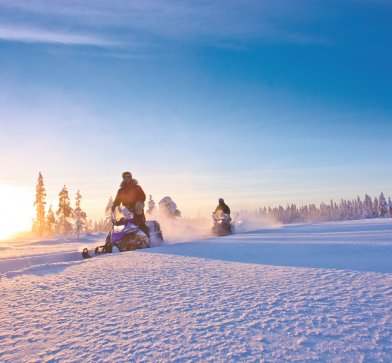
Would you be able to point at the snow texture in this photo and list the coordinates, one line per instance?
(320, 292)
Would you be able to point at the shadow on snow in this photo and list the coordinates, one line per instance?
(315, 250)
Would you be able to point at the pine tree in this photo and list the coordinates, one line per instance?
(367, 211)
(382, 206)
(151, 205)
(90, 226)
(50, 221)
(80, 216)
(100, 226)
(389, 207)
(39, 223)
(346, 210)
(64, 213)
(375, 208)
(358, 208)
(108, 214)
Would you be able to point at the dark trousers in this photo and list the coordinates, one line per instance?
(140, 220)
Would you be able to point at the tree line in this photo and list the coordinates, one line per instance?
(73, 221)
(65, 220)
(377, 207)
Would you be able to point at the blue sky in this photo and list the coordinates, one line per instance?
(260, 102)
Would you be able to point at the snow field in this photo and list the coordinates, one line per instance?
(181, 303)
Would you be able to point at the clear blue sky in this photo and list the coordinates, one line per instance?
(260, 102)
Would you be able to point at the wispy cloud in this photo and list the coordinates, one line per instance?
(36, 35)
(213, 22)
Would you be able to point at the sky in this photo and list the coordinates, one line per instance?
(259, 102)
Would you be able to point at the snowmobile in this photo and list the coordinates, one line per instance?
(222, 224)
(125, 235)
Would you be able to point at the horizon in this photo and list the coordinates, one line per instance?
(240, 213)
(261, 103)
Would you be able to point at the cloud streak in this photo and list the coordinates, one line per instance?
(212, 22)
(36, 35)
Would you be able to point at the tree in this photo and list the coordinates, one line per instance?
(50, 221)
(358, 208)
(99, 226)
(375, 208)
(389, 207)
(108, 214)
(39, 223)
(90, 226)
(151, 205)
(80, 216)
(367, 207)
(382, 206)
(64, 213)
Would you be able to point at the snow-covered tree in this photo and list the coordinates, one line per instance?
(64, 213)
(345, 210)
(90, 226)
(358, 208)
(108, 214)
(39, 222)
(382, 206)
(80, 216)
(389, 207)
(151, 205)
(367, 211)
(100, 226)
(375, 208)
(50, 221)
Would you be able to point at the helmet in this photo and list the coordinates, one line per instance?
(221, 200)
(127, 174)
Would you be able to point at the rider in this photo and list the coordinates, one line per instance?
(223, 207)
(132, 196)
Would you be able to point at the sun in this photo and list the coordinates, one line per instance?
(16, 209)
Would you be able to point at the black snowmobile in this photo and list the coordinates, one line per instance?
(222, 224)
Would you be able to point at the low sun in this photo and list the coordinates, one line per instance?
(16, 210)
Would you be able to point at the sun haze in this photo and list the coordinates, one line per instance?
(16, 210)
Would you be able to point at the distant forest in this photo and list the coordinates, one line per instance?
(378, 207)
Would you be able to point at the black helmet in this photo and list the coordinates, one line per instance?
(126, 174)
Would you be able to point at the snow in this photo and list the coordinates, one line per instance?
(16, 256)
(319, 292)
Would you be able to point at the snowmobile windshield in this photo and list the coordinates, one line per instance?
(118, 228)
(121, 214)
(219, 215)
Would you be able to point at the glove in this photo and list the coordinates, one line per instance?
(138, 208)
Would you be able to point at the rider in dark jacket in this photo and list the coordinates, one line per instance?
(223, 207)
(226, 210)
(132, 196)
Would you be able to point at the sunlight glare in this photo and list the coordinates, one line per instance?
(16, 209)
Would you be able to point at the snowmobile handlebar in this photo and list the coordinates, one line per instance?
(129, 214)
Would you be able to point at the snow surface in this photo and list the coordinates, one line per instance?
(319, 292)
